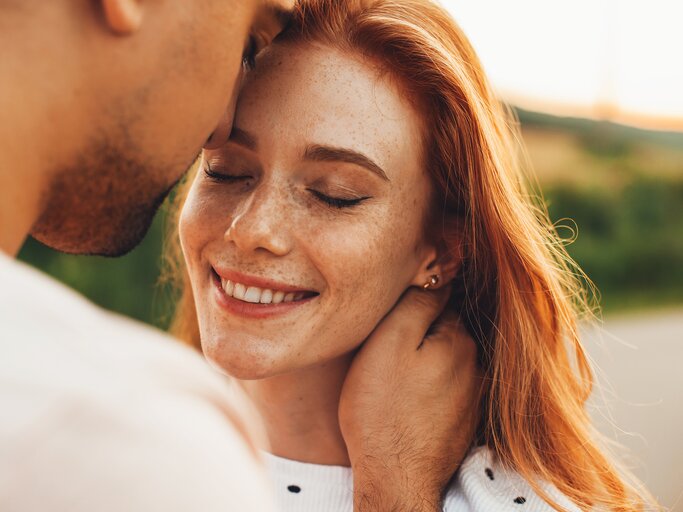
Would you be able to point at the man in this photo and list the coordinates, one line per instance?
(105, 104)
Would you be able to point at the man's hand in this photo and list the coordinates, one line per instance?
(409, 406)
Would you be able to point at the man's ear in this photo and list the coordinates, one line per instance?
(123, 17)
(442, 260)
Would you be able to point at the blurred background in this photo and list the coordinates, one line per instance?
(598, 88)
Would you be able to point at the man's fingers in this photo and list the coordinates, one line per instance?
(449, 326)
(410, 319)
(450, 341)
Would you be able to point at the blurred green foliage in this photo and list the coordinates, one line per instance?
(618, 191)
(619, 188)
(629, 240)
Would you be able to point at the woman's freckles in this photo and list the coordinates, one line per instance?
(333, 227)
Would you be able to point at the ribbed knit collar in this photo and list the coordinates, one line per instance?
(304, 472)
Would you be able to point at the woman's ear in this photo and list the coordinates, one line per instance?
(123, 17)
(442, 260)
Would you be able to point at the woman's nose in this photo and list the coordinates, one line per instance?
(259, 225)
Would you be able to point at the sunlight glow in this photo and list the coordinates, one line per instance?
(611, 58)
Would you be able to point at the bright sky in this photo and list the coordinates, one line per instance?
(586, 53)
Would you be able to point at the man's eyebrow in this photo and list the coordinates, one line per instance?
(239, 136)
(333, 154)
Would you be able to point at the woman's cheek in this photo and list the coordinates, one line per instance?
(362, 269)
(206, 213)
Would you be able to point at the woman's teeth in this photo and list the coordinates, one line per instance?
(257, 295)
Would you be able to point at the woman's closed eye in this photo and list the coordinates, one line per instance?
(337, 202)
(224, 176)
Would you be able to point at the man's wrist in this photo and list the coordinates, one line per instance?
(389, 490)
(368, 502)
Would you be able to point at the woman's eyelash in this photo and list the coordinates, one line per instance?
(337, 202)
(217, 176)
(334, 202)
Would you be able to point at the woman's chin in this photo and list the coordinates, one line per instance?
(243, 364)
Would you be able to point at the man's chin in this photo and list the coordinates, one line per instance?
(109, 243)
(99, 235)
(105, 202)
(109, 232)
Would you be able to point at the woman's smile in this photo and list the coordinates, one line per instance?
(256, 297)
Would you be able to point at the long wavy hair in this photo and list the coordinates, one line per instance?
(518, 291)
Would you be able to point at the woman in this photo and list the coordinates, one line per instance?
(369, 155)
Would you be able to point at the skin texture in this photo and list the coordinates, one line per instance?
(269, 224)
(105, 122)
(95, 130)
(434, 369)
(266, 222)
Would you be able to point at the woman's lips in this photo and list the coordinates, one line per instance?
(256, 302)
(227, 274)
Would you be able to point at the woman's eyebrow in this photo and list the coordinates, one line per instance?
(332, 154)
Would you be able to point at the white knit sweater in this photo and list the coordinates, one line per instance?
(481, 485)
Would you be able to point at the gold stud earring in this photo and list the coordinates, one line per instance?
(433, 281)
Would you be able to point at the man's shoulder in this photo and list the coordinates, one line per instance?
(60, 351)
(39, 316)
(92, 403)
(32, 301)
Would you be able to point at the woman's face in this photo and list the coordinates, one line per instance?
(304, 230)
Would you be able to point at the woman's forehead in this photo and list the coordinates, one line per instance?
(311, 94)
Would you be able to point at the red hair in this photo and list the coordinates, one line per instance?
(519, 292)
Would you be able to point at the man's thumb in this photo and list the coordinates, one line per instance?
(413, 314)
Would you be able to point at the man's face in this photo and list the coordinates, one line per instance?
(152, 99)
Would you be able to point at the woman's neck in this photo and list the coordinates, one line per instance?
(300, 412)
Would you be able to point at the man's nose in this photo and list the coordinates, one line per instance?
(222, 132)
